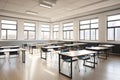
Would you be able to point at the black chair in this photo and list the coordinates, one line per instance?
(66, 58)
(2, 53)
(14, 52)
(84, 58)
(44, 50)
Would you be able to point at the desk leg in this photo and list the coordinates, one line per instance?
(69, 76)
(45, 55)
(23, 56)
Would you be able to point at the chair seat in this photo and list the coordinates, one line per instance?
(84, 57)
(69, 60)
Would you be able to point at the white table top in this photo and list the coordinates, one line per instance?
(107, 45)
(78, 53)
(51, 47)
(10, 50)
(97, 48)
(6, 47)
(74, 44)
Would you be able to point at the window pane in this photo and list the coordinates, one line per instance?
(114, 17)
(68, 24)
(110, 34)
(68, 35)
(25, 35)
(29, 28)
(31, 35)
(85, 22)
(3, 34)
(71, 35)
(113, 23)
(84, 26)
(64, 36)
(29, 24)
(11, 34)
(81, 34)
(5, 26)
(46, 35)
(94, 21)
(117, 34)
(8, 22)
(87, 34)
(97, 33)
(92, 34)
(94, 25)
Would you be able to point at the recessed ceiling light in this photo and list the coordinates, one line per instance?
(31, 12)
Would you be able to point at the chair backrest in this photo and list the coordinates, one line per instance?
(44, 50)
(1, 53)
(63, 56)
(14, 52)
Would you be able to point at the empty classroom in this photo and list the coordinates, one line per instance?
(59, 39)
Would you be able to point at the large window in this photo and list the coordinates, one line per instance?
(8, 30)
(68, 31)
(89, 29)
(113, 28)
(56, 32)
(45, 32)
(29, 31)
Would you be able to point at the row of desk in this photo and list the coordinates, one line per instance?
(8, 49)
(72, 54)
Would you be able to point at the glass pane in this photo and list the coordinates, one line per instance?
(71, 34)
(42, 35)
(3, 34)
(84, 27)
(110, 34)
(5, 26)
(64, 36)
(68, 35)
(55, 35)
(97, 33)
(81, 34)
(87, 34)
(29, 28)
(94, 25)
(85, 22)
(68, 28)
(94, 20)
(11, 34)
(56, 28)
(92, 34)
(8, 22)
(31, 35)
(68, 24)
(46, 35)
(114, 17)
(113, 23)
(117, 34)
(29, 24)
(25, 35)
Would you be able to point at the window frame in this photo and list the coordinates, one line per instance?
(90, 29)
(112, 27)
(6, 37)
(68, 37)
(28, 36)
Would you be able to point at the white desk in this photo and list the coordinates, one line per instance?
(20, 49)
(7, 47)
(50, 47)
(73, 54)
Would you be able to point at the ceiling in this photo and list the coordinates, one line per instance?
(62, 9)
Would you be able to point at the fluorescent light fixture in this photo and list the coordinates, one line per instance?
(46, 6)
(32, 13)
(47, 3)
